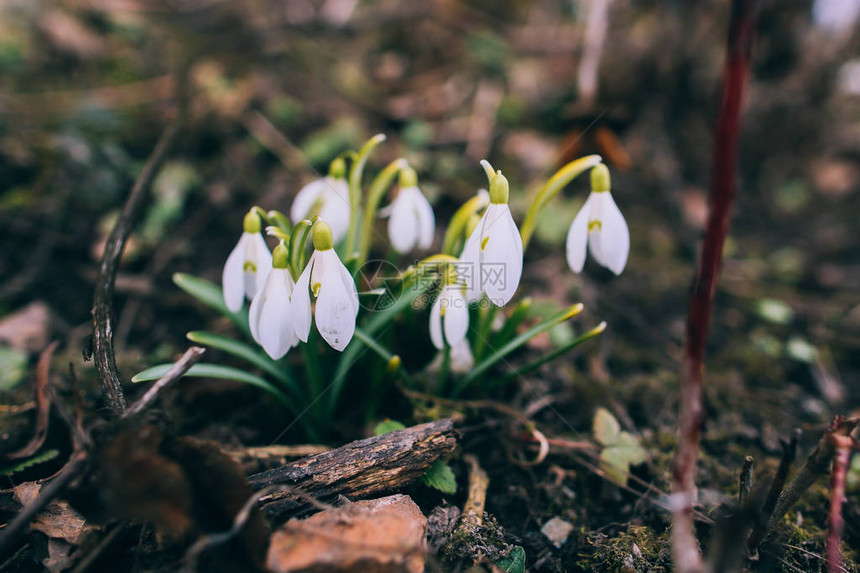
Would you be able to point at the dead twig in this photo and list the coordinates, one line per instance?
(358, 469)
(479, 481)
(746, 480)
(789, 454)
(817, 465)
(179, 368)
(685, 549)
(844, 446)
(103, 351)
(43, 405)
(73, 468)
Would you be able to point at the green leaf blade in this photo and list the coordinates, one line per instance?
(212, 296)
(440, 476)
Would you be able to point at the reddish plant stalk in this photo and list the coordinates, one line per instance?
(835, 522)
(686, 555)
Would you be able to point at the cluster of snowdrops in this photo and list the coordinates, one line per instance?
(480, 262)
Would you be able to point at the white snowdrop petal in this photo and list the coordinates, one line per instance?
(257, 252)
(256, 309)
(456, 319)
(336, 209)
(470, 263)
(577, 237)
(349, 283)
(502, 261)
(276, 327)
(232, 278)
(426, 220)
(305, 199)
(301, 302)
(611, 244)
(436, 324)
(335, 314)
(402, 226)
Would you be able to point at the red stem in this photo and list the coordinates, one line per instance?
(835, 522)
(722, 194)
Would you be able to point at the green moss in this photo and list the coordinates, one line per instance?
(638, 548)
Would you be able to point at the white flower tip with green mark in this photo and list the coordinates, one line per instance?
(246, 269)
(327, 198)
(336, 299)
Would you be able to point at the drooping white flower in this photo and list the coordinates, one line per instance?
(411, 221)
(461, 357)
(600, 226)
(248, 265)
(334, 289)
(493, 254)
(449, 317)
(270, 316)
(331, 195)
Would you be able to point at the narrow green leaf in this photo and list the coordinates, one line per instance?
(220, 372)
(606, 428)
(516, 343)
(39, 458)
(440, 476)
(241, 350)
(515, 562)
(212, 296)
(387, 426)
(13, 367)
(550, 356)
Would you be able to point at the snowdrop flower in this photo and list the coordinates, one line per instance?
(493, 253)
(334, 290)
(449, 317)
(330, 195)
(270, 316)
(248, 265)
(461, 357)
(411, 221)
(601, 226)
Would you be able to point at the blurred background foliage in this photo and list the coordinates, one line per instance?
(279, 87)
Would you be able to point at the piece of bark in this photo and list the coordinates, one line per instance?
(377, 536)
(358, 469)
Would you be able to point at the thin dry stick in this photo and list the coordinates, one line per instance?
(179, 368)
(835, 522)
(102, 312)
(789, 454)
(746, 480)
(816, 466)
(479, 481)
(685, 549)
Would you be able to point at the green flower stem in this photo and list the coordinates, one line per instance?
(280, 220)
(298, 238)
(394, 362)
(356, 171)
(378, 187)
(488, 169)
(486, 314)
(460, 221)
(551, 188)
(546, 358)
(514, 344)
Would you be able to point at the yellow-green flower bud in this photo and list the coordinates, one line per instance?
(323, 240)
(252, 222)
(337, 168)
(408, 177)
(280, 256)
(499, 189)
(600, 178)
